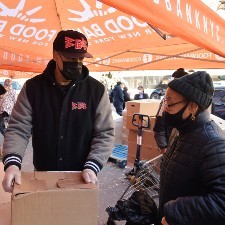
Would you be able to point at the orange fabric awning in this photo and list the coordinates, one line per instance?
(118, 41)
(190, 20)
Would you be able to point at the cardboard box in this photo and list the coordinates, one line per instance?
(5, 199)
(146, 106)
(147, 137)
(5, 213)
(54, 198)
(147, 152)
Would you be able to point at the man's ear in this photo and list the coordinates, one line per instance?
(55, 55)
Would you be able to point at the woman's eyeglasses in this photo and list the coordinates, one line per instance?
(167, 103)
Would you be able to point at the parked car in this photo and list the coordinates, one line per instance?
(158, 93)
(218, 106)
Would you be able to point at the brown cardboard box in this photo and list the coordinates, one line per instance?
(147, 152)
(147, 137)
(5, 214)
(146, 106)
(54, 198)
(5, 198)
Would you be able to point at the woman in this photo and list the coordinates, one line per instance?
(161, 130)
(141, 94)
(192, 176)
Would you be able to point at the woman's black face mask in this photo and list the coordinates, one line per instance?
(176, 119)
(71, 70)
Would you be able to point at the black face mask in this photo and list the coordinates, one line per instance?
(176, 119)
(72, 70)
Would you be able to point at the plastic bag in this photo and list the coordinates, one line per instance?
(139, 209)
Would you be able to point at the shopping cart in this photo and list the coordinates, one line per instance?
(139, 202)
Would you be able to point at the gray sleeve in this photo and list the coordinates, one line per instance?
(103, 136)
(18, 132)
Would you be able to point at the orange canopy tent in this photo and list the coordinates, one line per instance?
(176, 33)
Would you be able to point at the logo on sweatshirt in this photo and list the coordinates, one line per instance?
(79, 105)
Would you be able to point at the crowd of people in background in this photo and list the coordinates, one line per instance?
(119, 95)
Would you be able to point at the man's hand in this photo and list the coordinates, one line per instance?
(90, 176)
(12, 174)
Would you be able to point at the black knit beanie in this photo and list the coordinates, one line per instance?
(196, 87)
(179, 73)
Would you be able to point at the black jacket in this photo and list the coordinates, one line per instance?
(126, 97)
(118, 97)
(192, 178)
(70, 130)
(137, 96)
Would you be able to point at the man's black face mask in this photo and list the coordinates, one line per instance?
(72, 70)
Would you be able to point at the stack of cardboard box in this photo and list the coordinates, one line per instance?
(149, 148)
(125, 130)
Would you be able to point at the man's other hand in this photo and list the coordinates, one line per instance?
(12, 175)
(90, 176)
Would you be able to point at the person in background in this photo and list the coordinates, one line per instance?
(2, 118)
(111, 94)
(118, 97)
(68, 114)
(161, 129)
(7, 102)
(2, 90)
(192, 184)
(126, 96)
(141, 94)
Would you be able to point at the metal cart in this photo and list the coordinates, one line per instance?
(147, 180)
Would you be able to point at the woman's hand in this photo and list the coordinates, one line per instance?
(164, 221)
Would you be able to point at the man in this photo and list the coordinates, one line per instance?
(118, 98)
(141, 94)
(68, 113)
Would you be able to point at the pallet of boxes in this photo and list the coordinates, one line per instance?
(149, 148)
